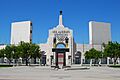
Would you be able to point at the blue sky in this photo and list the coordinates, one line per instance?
(44, 15)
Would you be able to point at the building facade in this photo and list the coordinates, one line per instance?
(60, 35)
(21, 31)
(60, 48)
(74, 53)
(99, 32)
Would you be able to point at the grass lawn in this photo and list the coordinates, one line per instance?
(115, 66)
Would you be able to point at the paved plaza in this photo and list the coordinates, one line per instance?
(46, 73)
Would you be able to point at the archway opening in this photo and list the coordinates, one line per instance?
(60, 45)
(78, 57)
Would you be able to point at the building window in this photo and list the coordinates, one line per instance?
(30, 31)
(31, 24)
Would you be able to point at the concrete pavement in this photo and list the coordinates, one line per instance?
(46, 73)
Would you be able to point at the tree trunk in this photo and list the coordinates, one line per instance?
(16, 62)
(115, 61)
(26, 62)
(39, 61)
(9, 61)
(34, 60)
(95, 62)
(2, 59)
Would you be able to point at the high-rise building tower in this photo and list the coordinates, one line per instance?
(99, 33)
(21, 31)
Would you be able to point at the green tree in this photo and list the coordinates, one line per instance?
(93, 54)
(112, 50)
(35, 52)
(8, 53)
(28, 50)
(2, 52)
(97, 56)
(24, 51)
(15, 54)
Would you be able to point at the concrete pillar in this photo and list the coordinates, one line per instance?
(48, 59)
(39, 62)
(99, 61)
(70, 62)
(13, 62)
(5, 60)
(113, 60)
(108, 60)
(54, 56)
(81, 61)
(20, 60)
(90, 62)
(118, 60)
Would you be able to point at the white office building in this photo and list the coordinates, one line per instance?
(21, 31)
(99, 32)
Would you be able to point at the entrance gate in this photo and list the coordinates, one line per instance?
(60, 56)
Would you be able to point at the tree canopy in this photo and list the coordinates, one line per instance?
(24, 50)
(93, 54)
(2, 51)
(112, 50)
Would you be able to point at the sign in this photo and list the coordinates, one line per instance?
(61, 32)
(61, 35)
